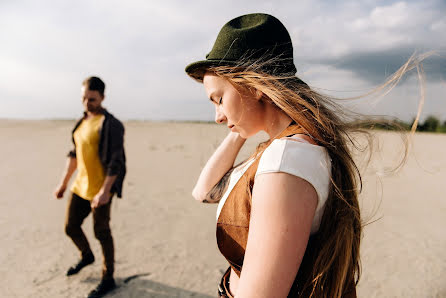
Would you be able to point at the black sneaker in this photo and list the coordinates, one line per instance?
(81, 264)
(104, 287)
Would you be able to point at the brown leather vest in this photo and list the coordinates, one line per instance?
(233, 225)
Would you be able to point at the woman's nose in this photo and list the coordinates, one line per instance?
(219, 116)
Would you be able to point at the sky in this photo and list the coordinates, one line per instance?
(140, 49)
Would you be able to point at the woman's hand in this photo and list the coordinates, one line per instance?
(217, 166)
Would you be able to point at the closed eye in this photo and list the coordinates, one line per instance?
(218, 102)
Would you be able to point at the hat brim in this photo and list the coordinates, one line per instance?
(196, 70)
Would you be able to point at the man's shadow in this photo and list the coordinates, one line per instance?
(137, 287)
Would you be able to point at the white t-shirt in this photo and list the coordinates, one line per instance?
(295, 156)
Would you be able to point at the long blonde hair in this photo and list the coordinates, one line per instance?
(336, 264)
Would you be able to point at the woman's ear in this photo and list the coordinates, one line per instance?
(256, 93)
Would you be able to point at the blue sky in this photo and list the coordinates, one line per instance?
(140, 49)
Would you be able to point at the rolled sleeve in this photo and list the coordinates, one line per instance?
(116, 162)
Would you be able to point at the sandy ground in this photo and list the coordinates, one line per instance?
(165, 241)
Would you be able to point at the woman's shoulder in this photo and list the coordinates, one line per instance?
(300, 157)
(300, 137)
(294, 151)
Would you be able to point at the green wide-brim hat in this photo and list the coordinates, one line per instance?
(256, 38)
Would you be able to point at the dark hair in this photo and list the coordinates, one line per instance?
(94, 84)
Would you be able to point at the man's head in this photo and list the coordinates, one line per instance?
(92, 94)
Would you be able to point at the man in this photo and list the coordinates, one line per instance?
(99, 157)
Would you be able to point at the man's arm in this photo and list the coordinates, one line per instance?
(70, 167)
(103, 196)
(114, 165)
(116, 160)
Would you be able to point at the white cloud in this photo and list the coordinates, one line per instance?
(140, 48)
(439, 26)
(354, 28)
(392, 16)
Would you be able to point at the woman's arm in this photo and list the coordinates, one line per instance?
(220, 162)
(283, 208)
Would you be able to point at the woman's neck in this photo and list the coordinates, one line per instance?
(275, 121)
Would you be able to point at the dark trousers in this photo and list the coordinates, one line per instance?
(78, 209)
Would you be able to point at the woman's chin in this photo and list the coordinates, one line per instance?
(245, 134)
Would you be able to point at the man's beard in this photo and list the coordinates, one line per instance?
(93, 110)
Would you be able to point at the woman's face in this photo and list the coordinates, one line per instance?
(240, 109)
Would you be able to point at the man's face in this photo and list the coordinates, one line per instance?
(91, 100)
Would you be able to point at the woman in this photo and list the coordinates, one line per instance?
(288, 219)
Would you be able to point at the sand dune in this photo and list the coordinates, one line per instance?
(165, 241)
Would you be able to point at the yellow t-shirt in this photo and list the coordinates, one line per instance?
(90, 172)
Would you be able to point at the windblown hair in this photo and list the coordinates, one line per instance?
(337, 260)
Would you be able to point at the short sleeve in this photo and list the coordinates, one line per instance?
(304, 160)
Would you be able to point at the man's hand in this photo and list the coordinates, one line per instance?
(101, 198)
(58, 193)
(70, 167)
